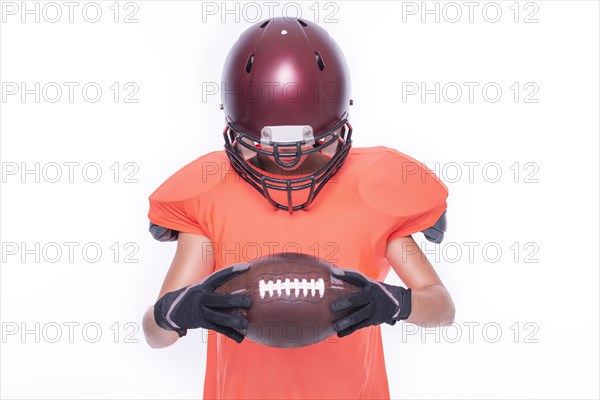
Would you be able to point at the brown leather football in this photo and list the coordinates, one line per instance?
(291, 299)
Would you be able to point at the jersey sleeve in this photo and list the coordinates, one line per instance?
(425, 197)
(168, 218)
(430, 222)
(408, 192)
(177, 205)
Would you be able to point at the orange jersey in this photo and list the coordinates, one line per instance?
(377, 195)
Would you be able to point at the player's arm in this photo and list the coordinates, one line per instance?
(425, 302)
(186, 300)
(431, 303)
(193, 261)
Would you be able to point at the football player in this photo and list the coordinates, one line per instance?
(290, 180)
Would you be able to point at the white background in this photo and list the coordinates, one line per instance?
(550, 209)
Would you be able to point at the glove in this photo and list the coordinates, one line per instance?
(375, 304)
(196, 306)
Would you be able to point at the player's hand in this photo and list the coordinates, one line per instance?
(377, 303)
(196, 306)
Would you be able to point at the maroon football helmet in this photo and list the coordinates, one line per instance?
(286, 94)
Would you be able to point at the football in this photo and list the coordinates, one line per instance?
(291, 299)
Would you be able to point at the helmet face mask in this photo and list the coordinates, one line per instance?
(282, 128)
(310, 184)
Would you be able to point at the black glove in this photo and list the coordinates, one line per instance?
(196, 306)
(377, 303)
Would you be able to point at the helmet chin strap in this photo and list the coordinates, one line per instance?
(244, 151)
(330, 150)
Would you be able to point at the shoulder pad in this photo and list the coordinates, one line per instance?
(175, 205)
(194, 179)
(163, 234)
(436, 232)
(400, 186)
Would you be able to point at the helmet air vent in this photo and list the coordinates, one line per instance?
(319, 61)
(304, 25)
(249, 63)
(264, 24)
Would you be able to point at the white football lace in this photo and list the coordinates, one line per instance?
(288, 285)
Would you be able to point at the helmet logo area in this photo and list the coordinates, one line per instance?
(287, 142)
(287, 134)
